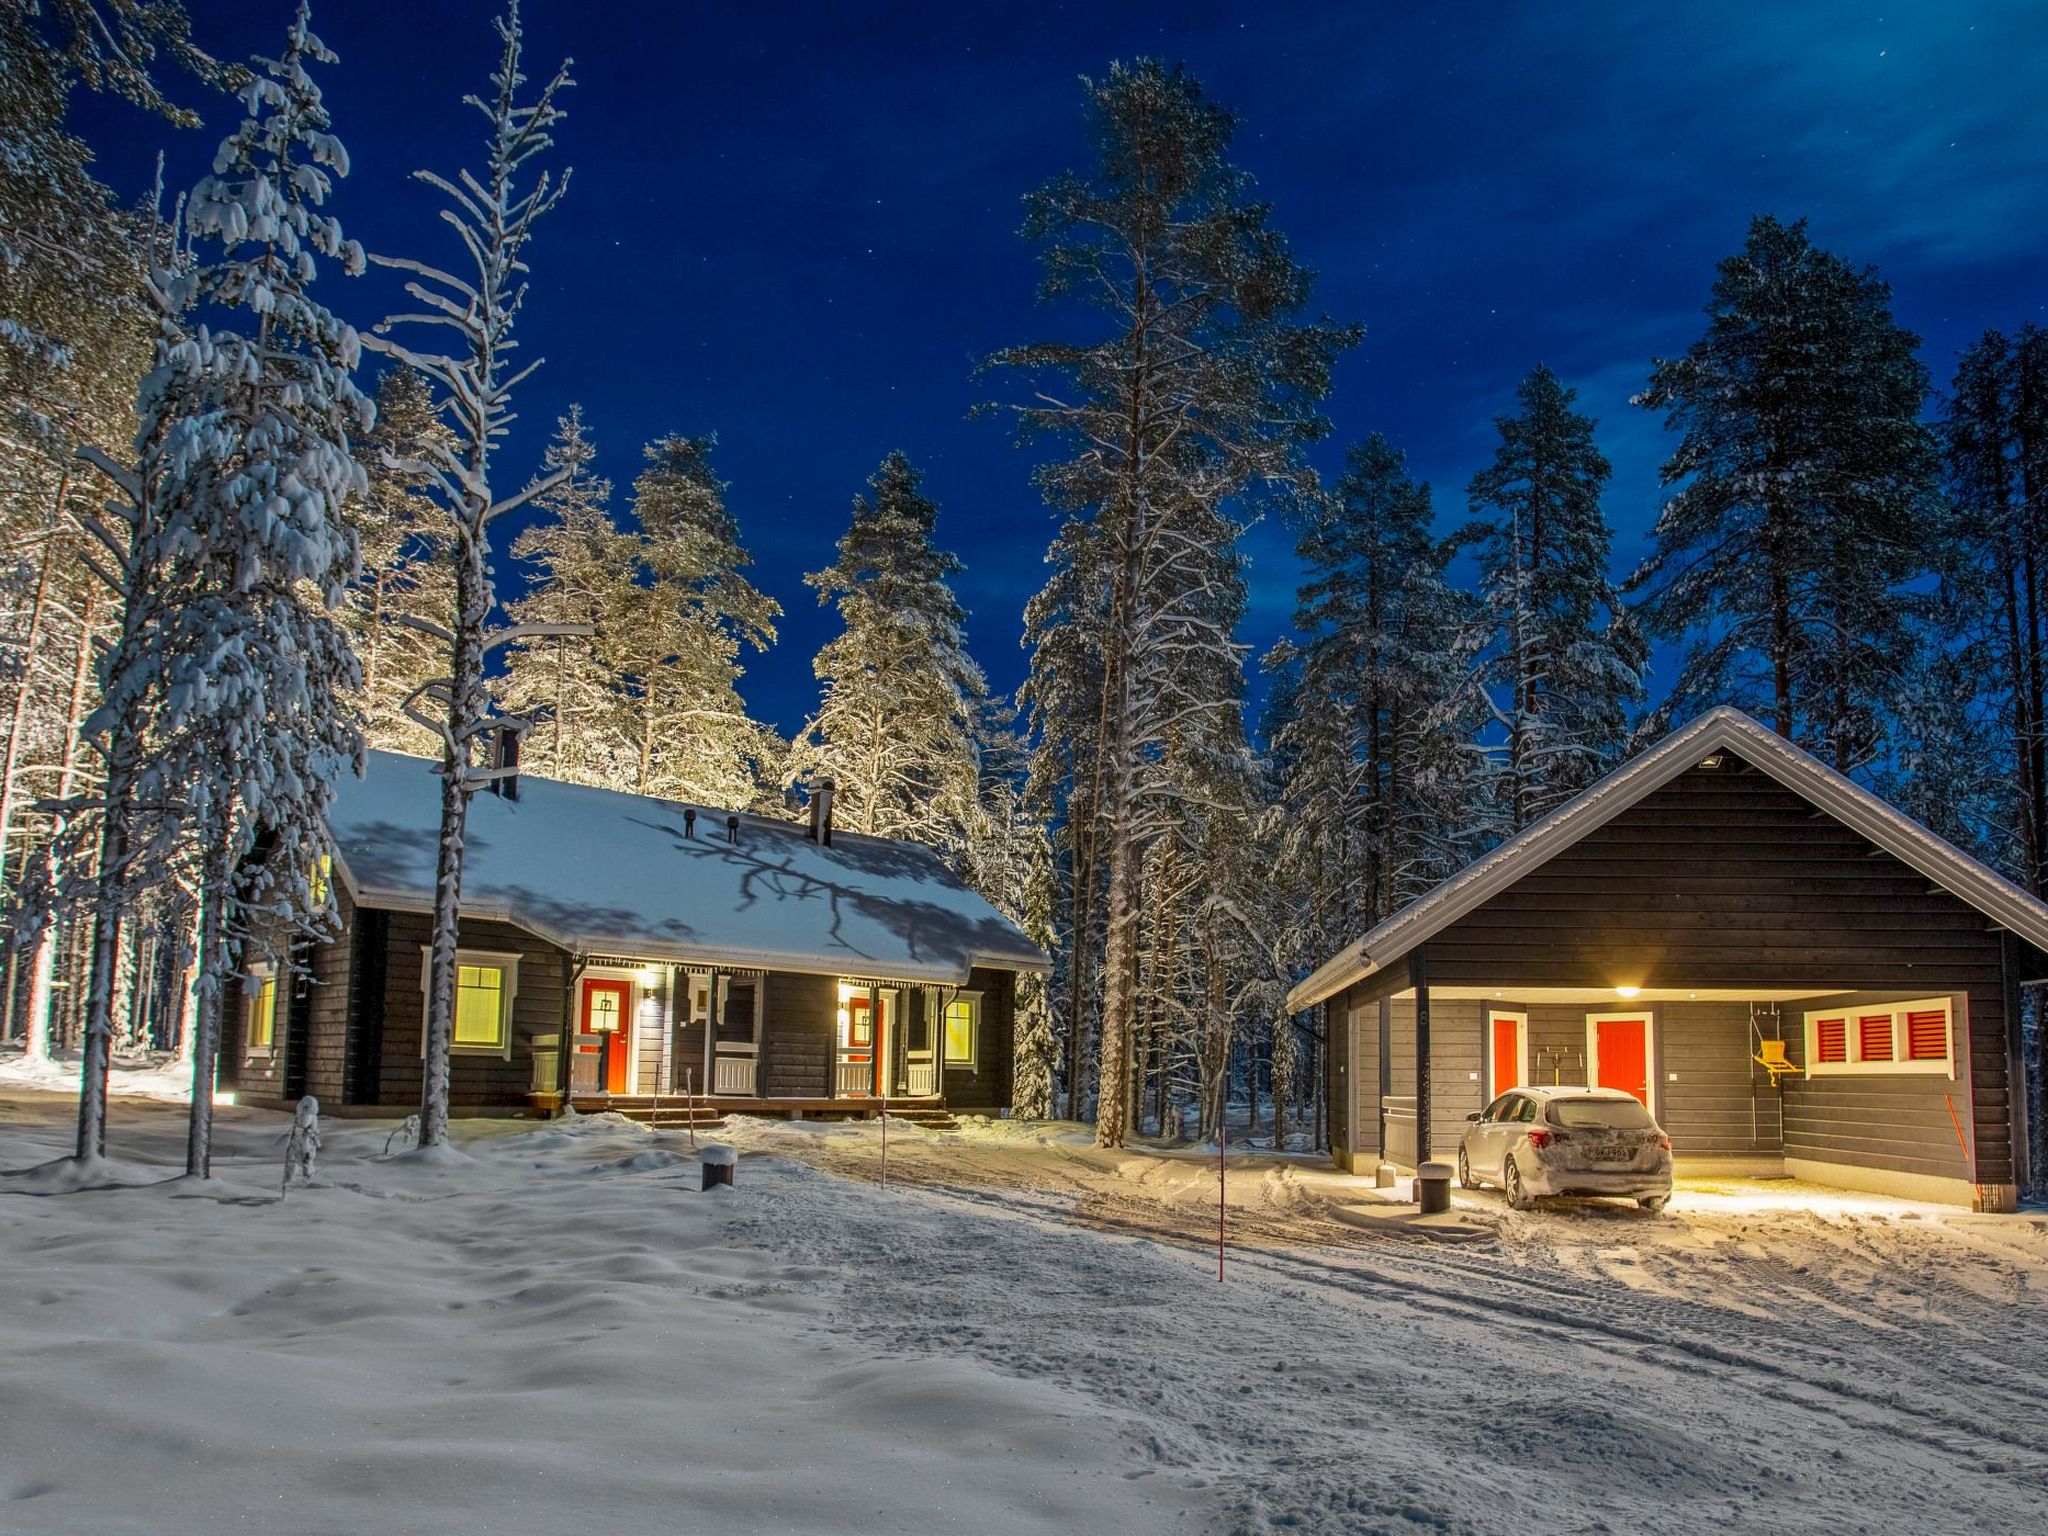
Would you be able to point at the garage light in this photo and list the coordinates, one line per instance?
(1626, 991)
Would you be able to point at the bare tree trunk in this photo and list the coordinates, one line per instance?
(214, 963)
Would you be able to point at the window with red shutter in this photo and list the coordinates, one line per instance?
(1831, 1041)
(1927, 1035)
(1874, 1037)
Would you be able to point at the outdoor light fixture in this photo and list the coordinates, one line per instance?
(1626, 991)
(1712, 760)
(649, 976)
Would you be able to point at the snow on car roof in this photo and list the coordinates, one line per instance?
(600, 872)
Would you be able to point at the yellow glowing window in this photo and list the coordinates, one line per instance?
(963, 1024)
(479, 1005)
(320, 880)
(262, 1027)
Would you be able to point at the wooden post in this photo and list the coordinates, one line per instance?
(1386, 1077)
(1418, 977)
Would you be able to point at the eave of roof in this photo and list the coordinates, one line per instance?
(1719, 729)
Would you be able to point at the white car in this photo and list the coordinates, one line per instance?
(1534, 1142)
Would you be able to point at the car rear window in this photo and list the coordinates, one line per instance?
(1597, 1114)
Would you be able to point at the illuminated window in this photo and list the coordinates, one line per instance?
(320, 880)
(260, 1028)
(1905, 1038)
(479, 1005)
(963, 1027)
(486, 984)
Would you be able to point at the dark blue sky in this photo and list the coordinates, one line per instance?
(796, 225)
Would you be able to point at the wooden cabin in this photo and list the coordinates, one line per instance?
(621, 952)
(1794, 977)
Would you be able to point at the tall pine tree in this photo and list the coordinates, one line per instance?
(1803, 478)
(1197, 381)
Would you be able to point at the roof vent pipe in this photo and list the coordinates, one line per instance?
(689, 821)
(732, 830)
(821, 812)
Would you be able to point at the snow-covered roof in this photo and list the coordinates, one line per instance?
(1723, 729)
(599, 872)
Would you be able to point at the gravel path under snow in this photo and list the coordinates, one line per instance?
(1019, 1334)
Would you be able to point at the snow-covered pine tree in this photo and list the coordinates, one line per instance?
(583, 570)
(494, 215)
(1993, 568)
(251, 729)
(1560, 659)
(405, 567)
(1372, 732)
(899, 730)
(1202, 386)
(1803, 476)
(675, 638)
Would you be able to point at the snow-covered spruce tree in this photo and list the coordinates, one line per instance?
(899, 730)
(674, 639)
(405, 566)
(583, 569)
(1560, 660)
(1803, 476)
(1201, 387)
(252, 730)
(493, 215)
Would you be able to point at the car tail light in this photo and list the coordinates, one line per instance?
(1664, 1140)
(1541, 1139)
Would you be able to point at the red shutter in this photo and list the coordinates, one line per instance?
(1831, 1039)
(1874, 1037)
(1927, 1035)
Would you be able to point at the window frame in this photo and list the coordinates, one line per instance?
(1898, 1063)
(264, 974)
(948, 1062)
(507, 962)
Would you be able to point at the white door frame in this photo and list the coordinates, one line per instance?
(1648, 1017)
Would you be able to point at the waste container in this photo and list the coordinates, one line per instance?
(1433, 1187)
(719, 1164)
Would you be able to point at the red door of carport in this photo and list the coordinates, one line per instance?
(1622, 1049)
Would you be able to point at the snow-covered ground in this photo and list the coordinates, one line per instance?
(1020, 1333)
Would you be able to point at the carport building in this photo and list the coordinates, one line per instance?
(1794, 976)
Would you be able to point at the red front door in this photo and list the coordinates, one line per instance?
(1507, 1053)
(1621, 1049)
(606, 1028)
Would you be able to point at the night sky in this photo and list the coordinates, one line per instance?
(796, 226)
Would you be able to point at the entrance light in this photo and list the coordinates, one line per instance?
(1626, 991)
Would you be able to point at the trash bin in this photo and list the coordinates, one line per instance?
(719, 1163)
(1433, 1187)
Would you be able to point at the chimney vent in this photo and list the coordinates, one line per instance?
(821, 812)
(689, 821)
(505, 756)
(732, 830)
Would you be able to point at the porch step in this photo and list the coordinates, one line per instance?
(663, 1114)
(933, 1118)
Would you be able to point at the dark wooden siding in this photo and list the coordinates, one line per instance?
(799, 1023)
(1724, 878)
(986, 1087)
(325, 1044)
(370, 961)
(475, 1082)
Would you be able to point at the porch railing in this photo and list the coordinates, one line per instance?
(921, 1080)
(584, 1070)
(1397, 1114)
(856, 1079)
(733, 1074)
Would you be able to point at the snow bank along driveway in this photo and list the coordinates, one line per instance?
(1018, 1334)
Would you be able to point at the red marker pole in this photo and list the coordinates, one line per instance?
(1222, 1141)
(885, 1143)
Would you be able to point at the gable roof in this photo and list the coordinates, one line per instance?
(600, 872)
(1723, 729)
